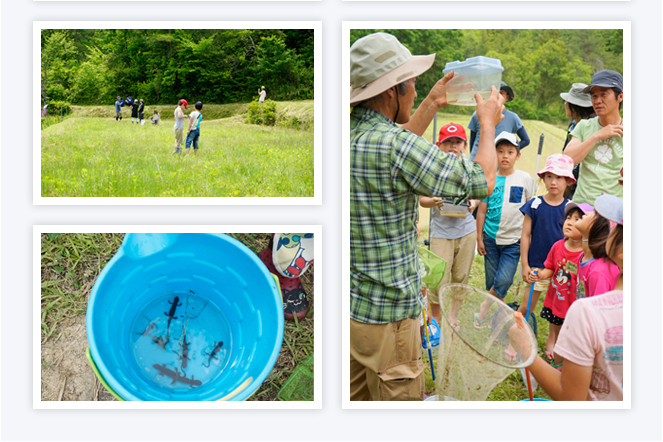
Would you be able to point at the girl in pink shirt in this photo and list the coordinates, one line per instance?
(596, 273)
(591, 340)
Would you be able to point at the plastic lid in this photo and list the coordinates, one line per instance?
(479, 61)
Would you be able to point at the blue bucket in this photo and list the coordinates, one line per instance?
(184, 317)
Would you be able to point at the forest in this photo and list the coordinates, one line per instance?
(538, 64)
(94, 66)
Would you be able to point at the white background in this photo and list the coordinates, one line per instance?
(20, 422)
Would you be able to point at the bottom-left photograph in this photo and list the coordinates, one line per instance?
(176, 317)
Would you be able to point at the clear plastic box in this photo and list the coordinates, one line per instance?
(476, 74)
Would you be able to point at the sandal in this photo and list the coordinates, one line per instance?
(478, 323)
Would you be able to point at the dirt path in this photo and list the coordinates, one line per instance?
(65, 373)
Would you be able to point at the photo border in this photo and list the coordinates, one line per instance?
(316, 199)
(37, 403)
(345, 359)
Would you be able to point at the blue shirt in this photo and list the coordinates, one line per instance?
(118, 106)
(511, 123)
(547, 223)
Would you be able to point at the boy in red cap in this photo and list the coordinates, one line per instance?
(454, 233)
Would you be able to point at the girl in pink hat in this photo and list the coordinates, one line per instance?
(544, 217)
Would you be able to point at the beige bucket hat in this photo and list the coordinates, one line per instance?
(378, 62)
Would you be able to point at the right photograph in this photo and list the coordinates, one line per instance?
(484, 189)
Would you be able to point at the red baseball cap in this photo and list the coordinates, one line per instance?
(184, 103)
(452, 130)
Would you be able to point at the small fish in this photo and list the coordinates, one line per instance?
(171, 312)
(217, 348)
(160, 341)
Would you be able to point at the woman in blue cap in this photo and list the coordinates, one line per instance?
(511, 124)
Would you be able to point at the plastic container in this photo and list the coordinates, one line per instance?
(184, 317)
(448, 209)
(481, 72)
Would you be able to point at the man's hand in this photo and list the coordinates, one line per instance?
(490, 112)
(609, 131)
(439, 92)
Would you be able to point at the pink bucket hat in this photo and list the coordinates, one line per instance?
(560, 165)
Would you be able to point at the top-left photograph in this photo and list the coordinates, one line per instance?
(176, 113)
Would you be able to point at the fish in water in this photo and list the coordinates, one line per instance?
(171, 312)
(160, 341)
(175, 376)
(217, 348)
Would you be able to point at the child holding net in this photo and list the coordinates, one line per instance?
(542, 226)
(591, 340)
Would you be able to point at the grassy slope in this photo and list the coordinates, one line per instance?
(86, 156)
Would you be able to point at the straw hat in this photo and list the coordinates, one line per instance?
(379, 62)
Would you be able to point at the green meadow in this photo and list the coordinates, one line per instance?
(91, 155)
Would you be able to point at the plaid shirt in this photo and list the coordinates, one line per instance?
(389, 168)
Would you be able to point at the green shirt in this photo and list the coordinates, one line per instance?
(599, 171)
(389, 168)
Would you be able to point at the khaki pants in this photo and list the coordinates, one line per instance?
(459, 254)
(179, 138)
(386, 362)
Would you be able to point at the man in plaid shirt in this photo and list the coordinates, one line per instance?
(390, 167)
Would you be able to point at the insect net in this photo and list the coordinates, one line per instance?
(472, 361)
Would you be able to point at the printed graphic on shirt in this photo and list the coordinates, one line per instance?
(563, 278)
(600, 383)
(614, 345)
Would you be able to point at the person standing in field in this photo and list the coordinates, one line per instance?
(193, 132)
(511, 124)
(141, 109)
(179, 124)
(391, 166)
(134, 112)
(262, 94)
(118, 109)
(155, 117)
(596, 143)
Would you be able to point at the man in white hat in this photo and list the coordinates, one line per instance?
(390, 167)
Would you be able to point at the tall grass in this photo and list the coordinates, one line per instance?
(99, 157)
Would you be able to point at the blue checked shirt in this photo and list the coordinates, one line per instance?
(389, 168)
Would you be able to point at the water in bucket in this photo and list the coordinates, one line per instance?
(186, 353)
(474, 357)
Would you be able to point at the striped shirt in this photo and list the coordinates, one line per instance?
(389, 168)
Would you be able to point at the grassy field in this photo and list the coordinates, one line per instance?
(92, 155)
(70, 264)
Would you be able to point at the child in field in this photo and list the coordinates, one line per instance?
(591, 340)
(562, 265)
(542, 226)
(134, 112)
(141, 109)
(155, 117)
(179, 124)
(500, 223)
(118, 109)
(193, 132)
(596, 273)
(452, 238)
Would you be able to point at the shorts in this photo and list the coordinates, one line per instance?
(547, 314)
(386, 361)
(193, 137)
(540, 286)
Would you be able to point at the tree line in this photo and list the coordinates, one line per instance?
(94, 66)
(538, 64)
